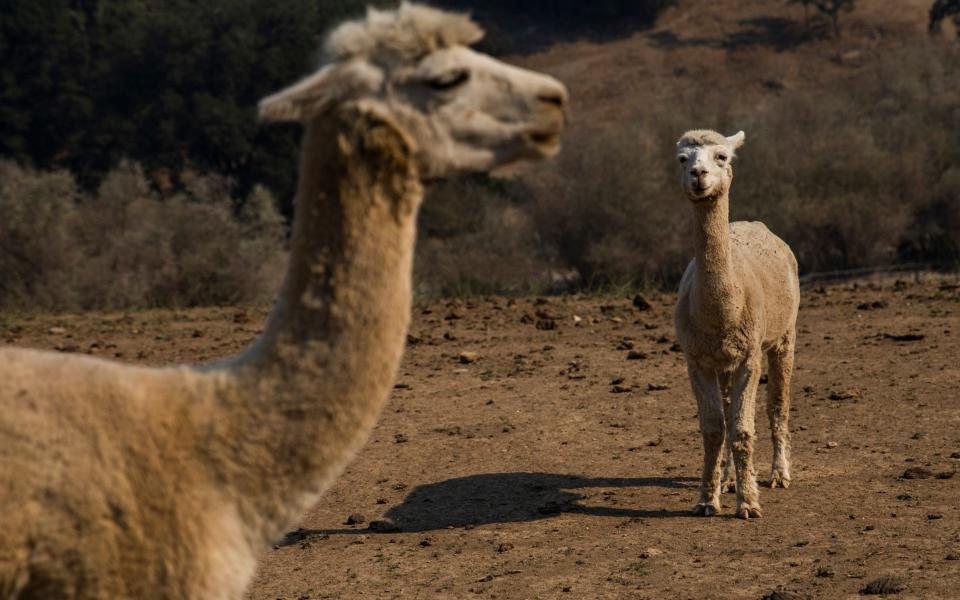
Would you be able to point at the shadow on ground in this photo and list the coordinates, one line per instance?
(506, 498)
(770, 32)
(535, 25)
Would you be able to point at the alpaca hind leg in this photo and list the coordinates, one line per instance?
(741, 434)
(778, 409)
(710, 410)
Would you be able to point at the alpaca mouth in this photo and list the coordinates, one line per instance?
(549, 139)
(543, 134)
(700, 193)
(545, 143)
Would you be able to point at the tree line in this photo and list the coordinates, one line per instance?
(173, 85)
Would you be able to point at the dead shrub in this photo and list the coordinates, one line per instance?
(128, 247)
(477, 236)
(37, 250)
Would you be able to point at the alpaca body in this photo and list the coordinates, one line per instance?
(738, 301)
(759, 256)
(135, 482)
(89, 490)
(119, 481)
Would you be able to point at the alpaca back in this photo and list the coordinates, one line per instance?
(770, 266)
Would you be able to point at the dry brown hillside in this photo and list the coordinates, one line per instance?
(760, 47)
(607, 209)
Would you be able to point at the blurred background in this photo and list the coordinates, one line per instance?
(133, 172)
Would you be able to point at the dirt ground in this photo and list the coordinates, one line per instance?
(555, 466)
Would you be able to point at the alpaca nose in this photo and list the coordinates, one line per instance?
(554, 94)
(555, 97)
(698, 171)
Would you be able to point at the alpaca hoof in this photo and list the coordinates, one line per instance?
(749, 512)
(728, 487)
(778, 479)
(705, 509)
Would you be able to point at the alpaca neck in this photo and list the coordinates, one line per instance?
(311, 388)
(716, 291)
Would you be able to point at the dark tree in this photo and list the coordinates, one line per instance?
(533, 24)
(172, 85)
(942, 9)
(44, 70)
(829, 9)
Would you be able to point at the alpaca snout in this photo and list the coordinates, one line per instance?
(553, 96)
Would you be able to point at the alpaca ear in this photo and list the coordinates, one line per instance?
(736, 140)
(314, 94)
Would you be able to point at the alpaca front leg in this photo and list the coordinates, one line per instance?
(728, 482)
(740, 417)
(710, 410)
(778, 409)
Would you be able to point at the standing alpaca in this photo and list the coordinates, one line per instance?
(119, 481)
(738, 300)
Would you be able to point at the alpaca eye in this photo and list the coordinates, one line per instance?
(722, 157)
(450, 80)
(682, 159)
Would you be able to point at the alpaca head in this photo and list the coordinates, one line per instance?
(460, 109)
(706, 163)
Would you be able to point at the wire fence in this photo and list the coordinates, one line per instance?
(916, 269)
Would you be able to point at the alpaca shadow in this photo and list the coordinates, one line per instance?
(513, 498)
(507, 498)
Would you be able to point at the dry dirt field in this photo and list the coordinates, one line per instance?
(555, 466)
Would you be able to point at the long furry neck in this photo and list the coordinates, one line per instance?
(716, 290)
(311, 388)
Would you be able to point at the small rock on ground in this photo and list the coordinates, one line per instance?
(783, 595)
(468, 357)
(917, 473)
(641, 303)
(883, 585)
(384, 526)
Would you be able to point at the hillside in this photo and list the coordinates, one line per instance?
(759, 48)
(607, 209)
(605, 213)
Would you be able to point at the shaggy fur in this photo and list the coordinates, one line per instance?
(701, 137)
(119, 481)
(738, 301)
(405, 34)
